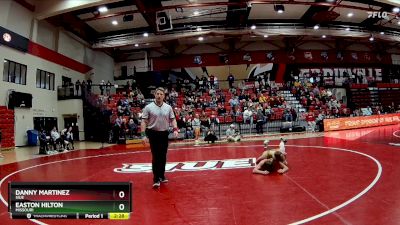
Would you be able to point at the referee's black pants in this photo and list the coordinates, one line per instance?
(159, 146)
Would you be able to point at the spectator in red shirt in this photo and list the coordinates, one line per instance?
(310, 118)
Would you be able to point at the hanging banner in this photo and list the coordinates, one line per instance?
(339, 75)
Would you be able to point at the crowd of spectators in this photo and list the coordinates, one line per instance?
(202, 105)
(128, 112)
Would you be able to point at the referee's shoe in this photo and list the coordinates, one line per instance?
(164, 180)
(156, 184)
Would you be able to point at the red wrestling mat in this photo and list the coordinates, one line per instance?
(338, 183)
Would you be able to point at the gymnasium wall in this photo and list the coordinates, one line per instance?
(15, 17)
(44, 102)
(52, 50)
(102, 64)
(70, 48)
(140, 64)
(20, 20)
(46, 35)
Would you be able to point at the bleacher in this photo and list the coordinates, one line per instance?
(361, 96)
(389, 93)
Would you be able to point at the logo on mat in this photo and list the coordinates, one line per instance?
(222, 164)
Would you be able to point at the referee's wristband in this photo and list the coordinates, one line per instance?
(143, 134)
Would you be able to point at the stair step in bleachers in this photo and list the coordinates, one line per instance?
(292, 100)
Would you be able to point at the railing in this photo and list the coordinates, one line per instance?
(245, 129)
(250, 129)
(69, 92)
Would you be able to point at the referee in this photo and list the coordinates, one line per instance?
(156, 119)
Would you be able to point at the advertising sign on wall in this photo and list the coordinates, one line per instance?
(361, 122)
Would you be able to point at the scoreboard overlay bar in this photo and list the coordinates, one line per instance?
(70, 200)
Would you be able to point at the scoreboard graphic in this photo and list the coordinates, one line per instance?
(70, 200)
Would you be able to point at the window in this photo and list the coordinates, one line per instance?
(5, 72)
(14, 72)
(11, 72)
(18, 73)
(44, 80)
(23, 71)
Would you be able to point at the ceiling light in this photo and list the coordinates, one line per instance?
(279, 8)
(371, 38)
(331, 0)
(347, 28)
(316, 27)
(398, 22)
(102, 9)
(382, 33)
(145, 34)
(265, 35)
(350, 14)
(198, 29)
(253, 27)
(136, 45)
(396, 10)
(324, 36)
(114, 22)
(196, 13)
(200, 39)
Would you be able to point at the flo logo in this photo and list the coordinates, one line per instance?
(379, 15)
(189, 166)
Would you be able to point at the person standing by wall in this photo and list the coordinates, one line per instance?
(89, 85)
(102, 86)
(108, 88)
(231, 80)
(260, 120)
(196, 125)
(83, 89)
(156, 119)
(77, 86)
